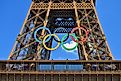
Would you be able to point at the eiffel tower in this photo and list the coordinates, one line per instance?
(61, 16)
(30, 58)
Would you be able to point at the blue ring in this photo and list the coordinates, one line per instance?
(40, 29)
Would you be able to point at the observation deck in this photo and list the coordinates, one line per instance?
(60, 70)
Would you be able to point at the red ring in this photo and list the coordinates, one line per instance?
(82, 39)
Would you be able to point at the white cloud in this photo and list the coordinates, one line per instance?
(70, 45)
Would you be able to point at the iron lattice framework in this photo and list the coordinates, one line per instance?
(30, 60)
(67, 14)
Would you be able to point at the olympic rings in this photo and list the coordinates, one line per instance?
(65, 46)
(45, 40)
(47, 37)
(61, 28)
(82, 39)
(38, 40)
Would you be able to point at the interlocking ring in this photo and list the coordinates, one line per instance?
(82, 39)
(35, 34)
(47, 37)
(72, 35)
(60, 28)
(45, 40)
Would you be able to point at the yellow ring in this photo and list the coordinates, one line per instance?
(46, 38)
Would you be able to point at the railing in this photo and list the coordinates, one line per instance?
(59, 65)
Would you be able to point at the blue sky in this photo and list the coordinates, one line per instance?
(63, 54)
(13, 13)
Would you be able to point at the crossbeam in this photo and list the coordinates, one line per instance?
(62, 6)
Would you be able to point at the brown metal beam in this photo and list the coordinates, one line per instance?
(59, 61)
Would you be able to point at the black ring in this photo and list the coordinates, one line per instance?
(60, 41)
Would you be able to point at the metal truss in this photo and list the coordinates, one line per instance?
(44, 12)
(62, 6)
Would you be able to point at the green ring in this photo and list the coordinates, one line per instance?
(62, 43)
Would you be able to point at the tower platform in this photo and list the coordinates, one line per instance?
(60, 70)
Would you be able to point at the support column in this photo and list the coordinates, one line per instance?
(78, 24)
